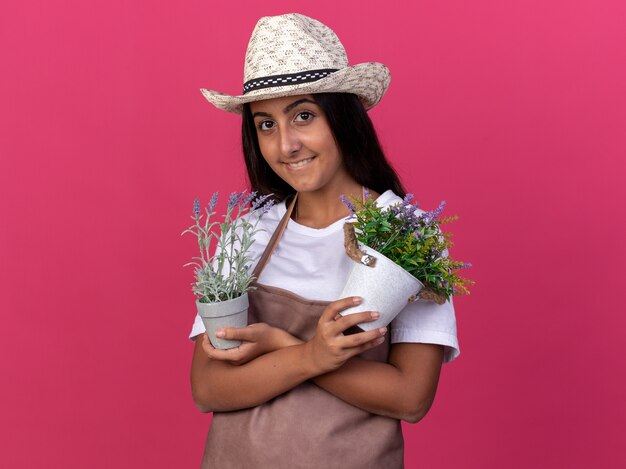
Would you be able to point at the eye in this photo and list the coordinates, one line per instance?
(265, 125)
(304, 116)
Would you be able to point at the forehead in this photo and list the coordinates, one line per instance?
(277, 104)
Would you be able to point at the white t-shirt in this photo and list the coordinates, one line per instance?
(312, 263)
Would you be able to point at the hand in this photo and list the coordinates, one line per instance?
(257, 339)
(329, 348)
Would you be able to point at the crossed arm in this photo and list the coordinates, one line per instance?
(271, 362)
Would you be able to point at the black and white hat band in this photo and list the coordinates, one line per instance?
(290, 79)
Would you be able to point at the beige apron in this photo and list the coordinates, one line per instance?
(305, 427)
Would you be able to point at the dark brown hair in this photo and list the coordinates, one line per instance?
(356, 138)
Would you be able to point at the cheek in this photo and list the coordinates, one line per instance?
(336, 159)
(266, 151)
(329, 146)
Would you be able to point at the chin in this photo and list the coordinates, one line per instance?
(303, 186)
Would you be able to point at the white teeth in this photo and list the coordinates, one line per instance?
(299, 164)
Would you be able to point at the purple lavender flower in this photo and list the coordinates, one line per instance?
(426, 218)
(268, 205)
(417, 235)
(438, 210)
(233, 199)
(465, 265)
(347, 202)
(213, 201)
(259, 201)
(407, 199)
(196, 207)
(366, 193)
(408, 212)
(248, 198)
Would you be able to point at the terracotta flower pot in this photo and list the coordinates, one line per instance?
(230, 313)
(384, 287)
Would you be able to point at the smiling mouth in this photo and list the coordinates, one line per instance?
(300, 164)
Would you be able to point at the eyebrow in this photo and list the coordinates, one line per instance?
(288, 108)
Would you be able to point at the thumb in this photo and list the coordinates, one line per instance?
(235, 333)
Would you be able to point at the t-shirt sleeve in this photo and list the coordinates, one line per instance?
(197, 328)
(424, 321)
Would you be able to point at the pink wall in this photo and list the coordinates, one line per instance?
(514, 112)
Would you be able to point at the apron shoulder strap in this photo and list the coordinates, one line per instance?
(278, 233)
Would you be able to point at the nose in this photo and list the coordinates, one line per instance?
(290, 143)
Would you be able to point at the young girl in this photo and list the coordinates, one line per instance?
(298, 392)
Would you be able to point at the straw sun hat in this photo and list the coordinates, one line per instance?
(293, 54)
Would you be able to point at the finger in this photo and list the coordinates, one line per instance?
(231, 354)
(336, 307)
(219, 354)
(357, 340)
(367, 346)
(237, 333)
(350, 320)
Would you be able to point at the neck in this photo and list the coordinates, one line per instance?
(320, 209)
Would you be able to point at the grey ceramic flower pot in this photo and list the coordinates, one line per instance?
(230, 313)
(386, 287)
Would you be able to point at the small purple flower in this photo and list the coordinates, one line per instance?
(366, 193)
(465, 265)
(347, 202)
(233, 199)
(426, 218)
(268, 205)
(408, 212)
(417, 235)
(407, 199)
(438, 210)
(248, 198)
(259, 201)
(213, 201)
(196, 208)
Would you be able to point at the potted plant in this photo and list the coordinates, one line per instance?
(222, 279)
(400, 255)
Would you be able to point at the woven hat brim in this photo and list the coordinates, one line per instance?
(368, 80)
